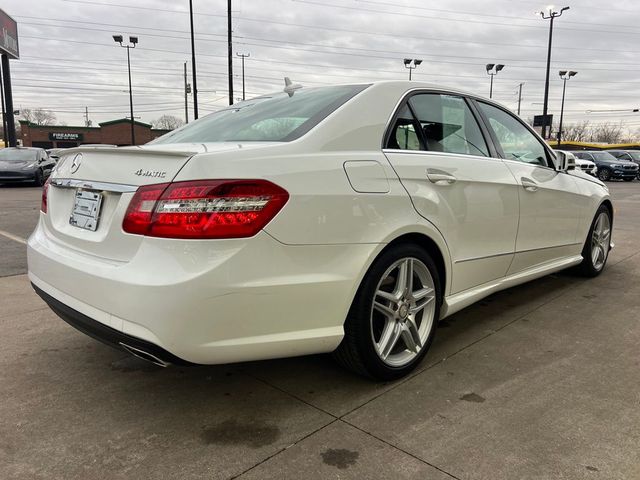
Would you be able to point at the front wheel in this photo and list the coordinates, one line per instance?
(596, 248)
(39, 178)
(392, 320)
(604, 175)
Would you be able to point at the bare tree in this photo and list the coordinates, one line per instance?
(167, 122)
(607, 132)
(576, 132)
(39, 116)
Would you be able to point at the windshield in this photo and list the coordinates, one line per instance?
(17, 155)
(270, 118)
(604, 156)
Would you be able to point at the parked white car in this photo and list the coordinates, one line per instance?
(345, 219)
(585, 165)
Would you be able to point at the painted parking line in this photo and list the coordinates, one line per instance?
(13, 237)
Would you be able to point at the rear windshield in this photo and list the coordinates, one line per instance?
(15, 155)
(270, 118)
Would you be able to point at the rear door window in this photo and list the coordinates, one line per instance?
(437, 123)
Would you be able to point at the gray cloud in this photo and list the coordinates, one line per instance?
(69, 60)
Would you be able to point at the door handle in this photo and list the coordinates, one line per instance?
(440, 177)
(529, 185)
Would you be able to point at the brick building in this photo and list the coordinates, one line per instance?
(115, 132)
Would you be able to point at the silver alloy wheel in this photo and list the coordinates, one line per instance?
(600, 241)
(403, 310)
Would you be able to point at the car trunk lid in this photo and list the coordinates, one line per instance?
(91, 189)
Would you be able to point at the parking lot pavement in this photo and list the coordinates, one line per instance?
(540, 381)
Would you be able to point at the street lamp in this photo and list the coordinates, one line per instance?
(493, 70)
(411, 64)
(564, 75)
(550, 14)
(243, 56)
(132, 44)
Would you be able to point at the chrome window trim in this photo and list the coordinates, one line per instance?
(91, 185)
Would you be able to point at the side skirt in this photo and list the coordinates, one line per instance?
(457, 302)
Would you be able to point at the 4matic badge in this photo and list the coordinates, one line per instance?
(150, 173)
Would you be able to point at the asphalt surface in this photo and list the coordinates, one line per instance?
(540, 381)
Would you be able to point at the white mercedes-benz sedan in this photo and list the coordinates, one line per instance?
(346, 219)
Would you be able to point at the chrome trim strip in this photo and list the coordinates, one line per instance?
(90, 185)
(515, 253)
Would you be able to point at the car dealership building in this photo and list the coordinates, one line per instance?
(114, 132)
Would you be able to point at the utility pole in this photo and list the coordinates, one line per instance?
(243, 56)
(8, 101)
(87, 123)
(230, 52)
(193, 64)
(520, 96)
(187, 91)
(550, 16)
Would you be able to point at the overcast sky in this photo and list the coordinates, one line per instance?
(69, 60)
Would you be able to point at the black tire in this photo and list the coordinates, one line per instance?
(604, 174)
(357, 352)
(628, 179)
(39, 178)
(587, 268)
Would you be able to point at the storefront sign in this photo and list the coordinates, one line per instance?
(66, 136)
(8, 35)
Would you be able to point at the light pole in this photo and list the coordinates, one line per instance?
(411, 64)
(243, 56)
(550, 14)
(492, 70)
(132, 44)
(564, 75)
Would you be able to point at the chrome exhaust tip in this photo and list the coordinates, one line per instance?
(136, 352)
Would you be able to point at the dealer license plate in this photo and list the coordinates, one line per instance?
(86, 210)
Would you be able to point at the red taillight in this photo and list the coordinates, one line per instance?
(204, 208)
(45, 193)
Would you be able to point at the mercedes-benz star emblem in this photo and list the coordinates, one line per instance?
(77, 161)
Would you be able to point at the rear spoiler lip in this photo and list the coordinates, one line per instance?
(130, 150)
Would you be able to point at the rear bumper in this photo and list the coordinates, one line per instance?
(210, 302)
(105, 334)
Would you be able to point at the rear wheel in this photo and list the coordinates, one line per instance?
(393, 318)
(596, 248)
(630, 179)
(604, 174)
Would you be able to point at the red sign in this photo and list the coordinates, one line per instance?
(8, 35)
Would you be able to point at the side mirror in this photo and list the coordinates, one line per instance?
(564, 162)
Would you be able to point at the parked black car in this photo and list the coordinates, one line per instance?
(20, 164)
(630, 155)
(609, 167)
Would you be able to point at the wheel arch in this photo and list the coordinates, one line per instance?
(430, 246)
(607, 203)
